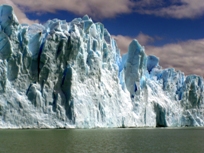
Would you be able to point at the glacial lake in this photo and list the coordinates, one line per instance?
(159, 140)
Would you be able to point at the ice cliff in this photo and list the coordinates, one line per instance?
(71, 74)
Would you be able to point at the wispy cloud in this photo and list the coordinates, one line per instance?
(124, 41)
(186, 56)
(175, 8)
(109, 8)
(94, 8)
(19, 13)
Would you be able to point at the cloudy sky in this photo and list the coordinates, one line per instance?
(173, 30)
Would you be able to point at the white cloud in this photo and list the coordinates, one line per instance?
(124, 41)
(94, 8)
(109, 8)
(176, 9)
(145, 39)
(185, 56)
(22, 18)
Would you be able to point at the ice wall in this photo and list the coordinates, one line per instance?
(70, 74)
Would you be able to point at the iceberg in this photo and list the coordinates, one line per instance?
(71, 75)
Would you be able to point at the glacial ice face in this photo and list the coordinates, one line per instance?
(71, 74)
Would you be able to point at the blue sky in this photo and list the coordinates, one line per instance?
(172, 30)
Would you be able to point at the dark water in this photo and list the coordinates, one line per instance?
(181, 140)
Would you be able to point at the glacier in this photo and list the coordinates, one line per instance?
(71, 75)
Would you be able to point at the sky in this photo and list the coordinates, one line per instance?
(173, 30)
